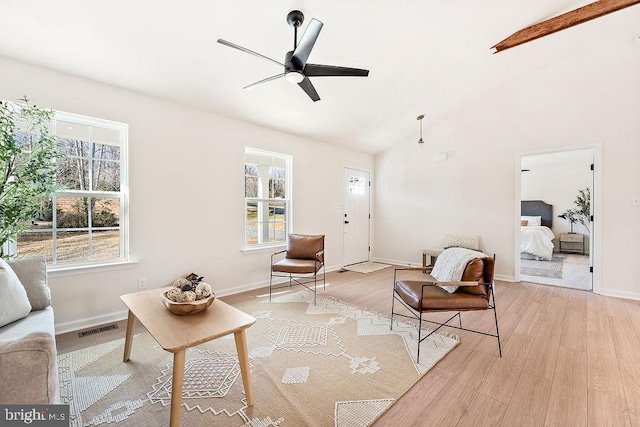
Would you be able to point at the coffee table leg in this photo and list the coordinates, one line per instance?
(243, 358)
(176, 387)
(131, 320)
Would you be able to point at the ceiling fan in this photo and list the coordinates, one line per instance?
(296, 68)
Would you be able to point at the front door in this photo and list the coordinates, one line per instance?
(356, 216)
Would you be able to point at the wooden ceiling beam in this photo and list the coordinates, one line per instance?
(562, 22)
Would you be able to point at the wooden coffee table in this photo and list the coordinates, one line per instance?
(177, 333)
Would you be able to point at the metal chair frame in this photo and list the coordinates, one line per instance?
(302, 279)
(418, 314)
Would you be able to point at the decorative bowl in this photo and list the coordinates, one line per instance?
(184, 308)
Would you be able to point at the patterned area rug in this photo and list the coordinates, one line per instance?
(551, 269)
(329, 364)
(366, 267)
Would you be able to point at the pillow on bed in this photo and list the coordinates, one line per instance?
(532, 221)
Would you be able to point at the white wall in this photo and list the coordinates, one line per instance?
(590, 98)
(187, 192)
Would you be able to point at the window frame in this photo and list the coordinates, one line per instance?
(123, 197)
(287, 200)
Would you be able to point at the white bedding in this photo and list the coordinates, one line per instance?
(537, 241)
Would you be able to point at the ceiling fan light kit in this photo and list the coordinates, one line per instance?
(296, 68)
(294, 77)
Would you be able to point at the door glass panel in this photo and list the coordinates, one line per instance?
(356, 185)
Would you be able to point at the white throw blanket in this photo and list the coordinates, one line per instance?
(450, 265)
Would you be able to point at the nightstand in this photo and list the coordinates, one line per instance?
(572, 243)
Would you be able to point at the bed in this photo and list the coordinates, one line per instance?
(536, 240)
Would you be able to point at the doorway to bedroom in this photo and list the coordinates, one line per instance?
(556, 239)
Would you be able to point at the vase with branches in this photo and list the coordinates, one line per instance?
(582, 212)
(28, 153)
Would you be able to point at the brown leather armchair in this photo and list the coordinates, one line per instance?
(475, 292)
(303, 258)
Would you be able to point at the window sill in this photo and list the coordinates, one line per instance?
(270, 248)
(88, 269)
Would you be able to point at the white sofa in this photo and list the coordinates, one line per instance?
(28, 365)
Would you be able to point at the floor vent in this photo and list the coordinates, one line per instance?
(97, 330)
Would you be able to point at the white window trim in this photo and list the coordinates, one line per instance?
(79, 269)
(123, 195)
(288, 199)
(263, 248)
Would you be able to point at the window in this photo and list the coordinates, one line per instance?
(267, 196)
(84, 222)
(357, 185)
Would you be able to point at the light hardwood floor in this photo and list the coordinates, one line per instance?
(570, 358)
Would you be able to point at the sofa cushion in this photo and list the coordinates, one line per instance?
(14, 303)
(36, 321)
(32, 273)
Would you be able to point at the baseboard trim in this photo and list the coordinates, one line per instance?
(397, 262)
(618, 294)
(261, 284)
(90, 322)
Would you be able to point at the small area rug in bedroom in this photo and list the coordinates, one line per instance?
(366, 267)
(551, 269)
(328, 364)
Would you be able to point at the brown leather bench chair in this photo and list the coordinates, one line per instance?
(304, 257)
(475, 292)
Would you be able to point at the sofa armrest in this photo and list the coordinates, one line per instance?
(32, 273)
(29, 370)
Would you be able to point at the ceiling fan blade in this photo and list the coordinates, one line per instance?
(268, 79)
(244, 49)
(308, 87)
(302, 51)
(315, 70)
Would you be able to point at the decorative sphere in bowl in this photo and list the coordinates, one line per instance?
(191, 307)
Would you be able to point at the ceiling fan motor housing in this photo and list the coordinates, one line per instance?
(289, 64)
(292, 73)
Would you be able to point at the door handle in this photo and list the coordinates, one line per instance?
(346, 222)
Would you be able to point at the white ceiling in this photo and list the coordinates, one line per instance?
(427, 57)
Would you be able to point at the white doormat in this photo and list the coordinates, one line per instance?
(366, 267)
